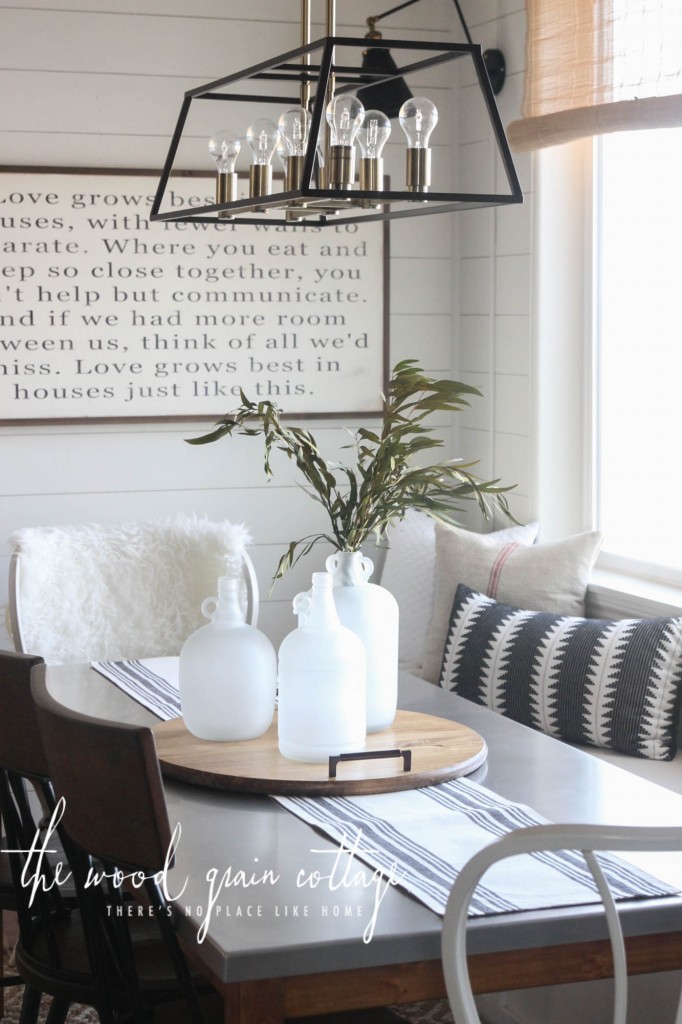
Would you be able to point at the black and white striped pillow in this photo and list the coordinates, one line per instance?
(609, 684)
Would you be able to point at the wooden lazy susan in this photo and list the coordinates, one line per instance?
(438, 750)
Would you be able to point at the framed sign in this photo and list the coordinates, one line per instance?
(104, 316)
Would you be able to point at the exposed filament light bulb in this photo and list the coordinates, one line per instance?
(344, 115)
(373, 134)
(418, 117)
(294, 127)
(224, 147)
(262, 136)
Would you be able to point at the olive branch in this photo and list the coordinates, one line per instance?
(364, 499)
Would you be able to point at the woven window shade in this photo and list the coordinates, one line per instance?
(598, 66)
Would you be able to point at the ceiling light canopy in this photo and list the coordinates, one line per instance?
(301, 118)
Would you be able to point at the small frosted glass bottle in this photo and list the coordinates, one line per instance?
(321, 709)
(228, 672)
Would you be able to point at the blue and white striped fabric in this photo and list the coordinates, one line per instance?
(153, 683)
(423, 837)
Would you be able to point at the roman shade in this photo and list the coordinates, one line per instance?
(598, 66)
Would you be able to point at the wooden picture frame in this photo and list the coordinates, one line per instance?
(106, 317)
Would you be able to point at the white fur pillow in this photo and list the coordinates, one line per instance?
(548, 577)
(134, 590)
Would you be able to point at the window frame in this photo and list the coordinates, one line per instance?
(565, 310)
(610, 560)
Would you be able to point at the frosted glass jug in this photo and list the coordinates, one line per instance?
(371, 612)
(228, 672)
(321, 708)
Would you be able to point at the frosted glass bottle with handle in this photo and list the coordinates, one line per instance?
(321, 673)
(228, 672)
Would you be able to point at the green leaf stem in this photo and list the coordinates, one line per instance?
(364, 499)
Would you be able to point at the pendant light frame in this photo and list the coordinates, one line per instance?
(295, 74)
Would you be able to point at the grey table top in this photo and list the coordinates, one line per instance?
(233, 845)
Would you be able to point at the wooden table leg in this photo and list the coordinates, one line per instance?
(254, 1002)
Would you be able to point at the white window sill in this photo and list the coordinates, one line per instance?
(618, 595)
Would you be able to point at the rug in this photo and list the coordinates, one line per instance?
(13, 994)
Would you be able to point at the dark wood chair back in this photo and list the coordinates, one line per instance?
(35, 880)
(21, 745)
(110, 778)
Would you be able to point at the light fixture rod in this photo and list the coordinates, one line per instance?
(409, 3)
(331, 17)
(305, 22)
(305, 59)
(463, 21)
(385, 14)
(331, 87)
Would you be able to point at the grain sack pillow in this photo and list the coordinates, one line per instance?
(508, 566)
(609, 684)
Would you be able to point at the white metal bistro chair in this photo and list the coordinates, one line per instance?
(587, 839)
(123, 591)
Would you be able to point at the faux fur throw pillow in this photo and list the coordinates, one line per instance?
(132, 590)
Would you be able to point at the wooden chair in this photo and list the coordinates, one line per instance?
(130, 590)
(7, 903)
(73, 948)
(114, 812)
(587, 839)
(14, 664)
(44, 919)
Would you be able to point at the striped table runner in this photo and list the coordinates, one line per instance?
(153, 683)
(423, 837)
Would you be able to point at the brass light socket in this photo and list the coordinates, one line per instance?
(260, 180)
(225, 191)
(341, 166)
(226, 187)
(418, 170)
(294, 173)
(371, 179)
(371, 174)
(322, 178)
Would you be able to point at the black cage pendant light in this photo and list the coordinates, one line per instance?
(312, 108)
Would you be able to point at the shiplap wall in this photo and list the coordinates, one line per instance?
(494, 328)
(92, 83)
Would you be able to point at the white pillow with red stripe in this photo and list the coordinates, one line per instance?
(507, 566)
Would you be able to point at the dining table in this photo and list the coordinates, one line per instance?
(280, 935)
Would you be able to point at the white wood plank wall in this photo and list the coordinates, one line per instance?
(97, 83)
(494, 328)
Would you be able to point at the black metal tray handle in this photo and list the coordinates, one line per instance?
(370, 755)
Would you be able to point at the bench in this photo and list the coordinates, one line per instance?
(407, 568)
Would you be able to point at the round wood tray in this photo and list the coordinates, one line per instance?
(441, 750)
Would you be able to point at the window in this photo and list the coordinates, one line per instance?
(603, 105)
(637, 274)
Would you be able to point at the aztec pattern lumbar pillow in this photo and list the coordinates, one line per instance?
(608, 684)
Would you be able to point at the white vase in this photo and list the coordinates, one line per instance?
(371, 612)
(321, 675)
(227, 672)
